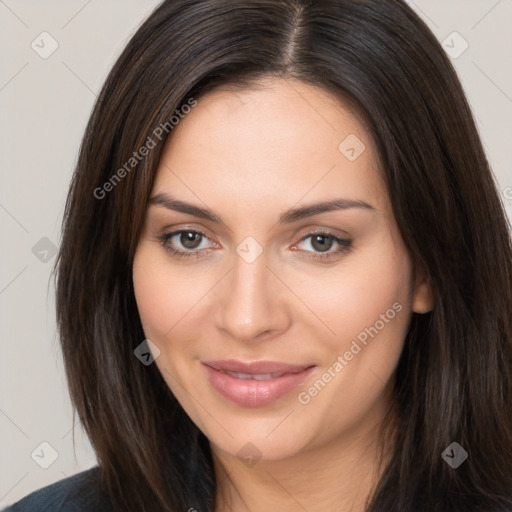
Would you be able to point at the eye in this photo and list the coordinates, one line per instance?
(184, 243)
(187, 242)
(322, 242)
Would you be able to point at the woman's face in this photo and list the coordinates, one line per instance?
(261, 275)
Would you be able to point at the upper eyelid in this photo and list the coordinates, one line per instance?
(337, 239)
(303, 237)
(335, 232)
(174, 232)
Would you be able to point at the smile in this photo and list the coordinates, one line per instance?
(255, 389)
(261, 376)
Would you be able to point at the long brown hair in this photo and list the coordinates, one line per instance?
(454, 378)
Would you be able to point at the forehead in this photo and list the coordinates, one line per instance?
(280, 140)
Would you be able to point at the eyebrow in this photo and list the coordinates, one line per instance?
(289, 216)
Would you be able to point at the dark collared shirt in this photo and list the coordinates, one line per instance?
(78, 493)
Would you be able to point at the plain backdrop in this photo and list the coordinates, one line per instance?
(45, 100)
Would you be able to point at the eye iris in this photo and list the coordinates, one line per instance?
(324, 241)
(189, 239)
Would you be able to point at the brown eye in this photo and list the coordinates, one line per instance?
(190, 239)
(185, 243)
(322, 243)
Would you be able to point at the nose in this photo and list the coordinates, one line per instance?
(252, 302)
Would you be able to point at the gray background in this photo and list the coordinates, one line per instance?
(45, 103)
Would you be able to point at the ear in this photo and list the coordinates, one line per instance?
(423, 298)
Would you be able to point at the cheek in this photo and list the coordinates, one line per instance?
(369, 310)
(356, 295)
(164, 299)
(369, 313)
(367, 306)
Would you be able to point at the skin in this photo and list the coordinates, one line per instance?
(249, 155)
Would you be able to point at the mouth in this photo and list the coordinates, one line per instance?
(255, 383)
(256, 367)
(256, 376)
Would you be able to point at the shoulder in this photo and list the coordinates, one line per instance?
(78, 493)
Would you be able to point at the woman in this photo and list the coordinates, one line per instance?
(285, 274)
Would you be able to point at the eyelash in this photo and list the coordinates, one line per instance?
(345, 245)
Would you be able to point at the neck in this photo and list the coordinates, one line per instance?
(337, 476)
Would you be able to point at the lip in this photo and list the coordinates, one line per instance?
(252, 392)
(256, 367)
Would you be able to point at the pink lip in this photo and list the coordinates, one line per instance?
(251, 392)
(255, 367)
